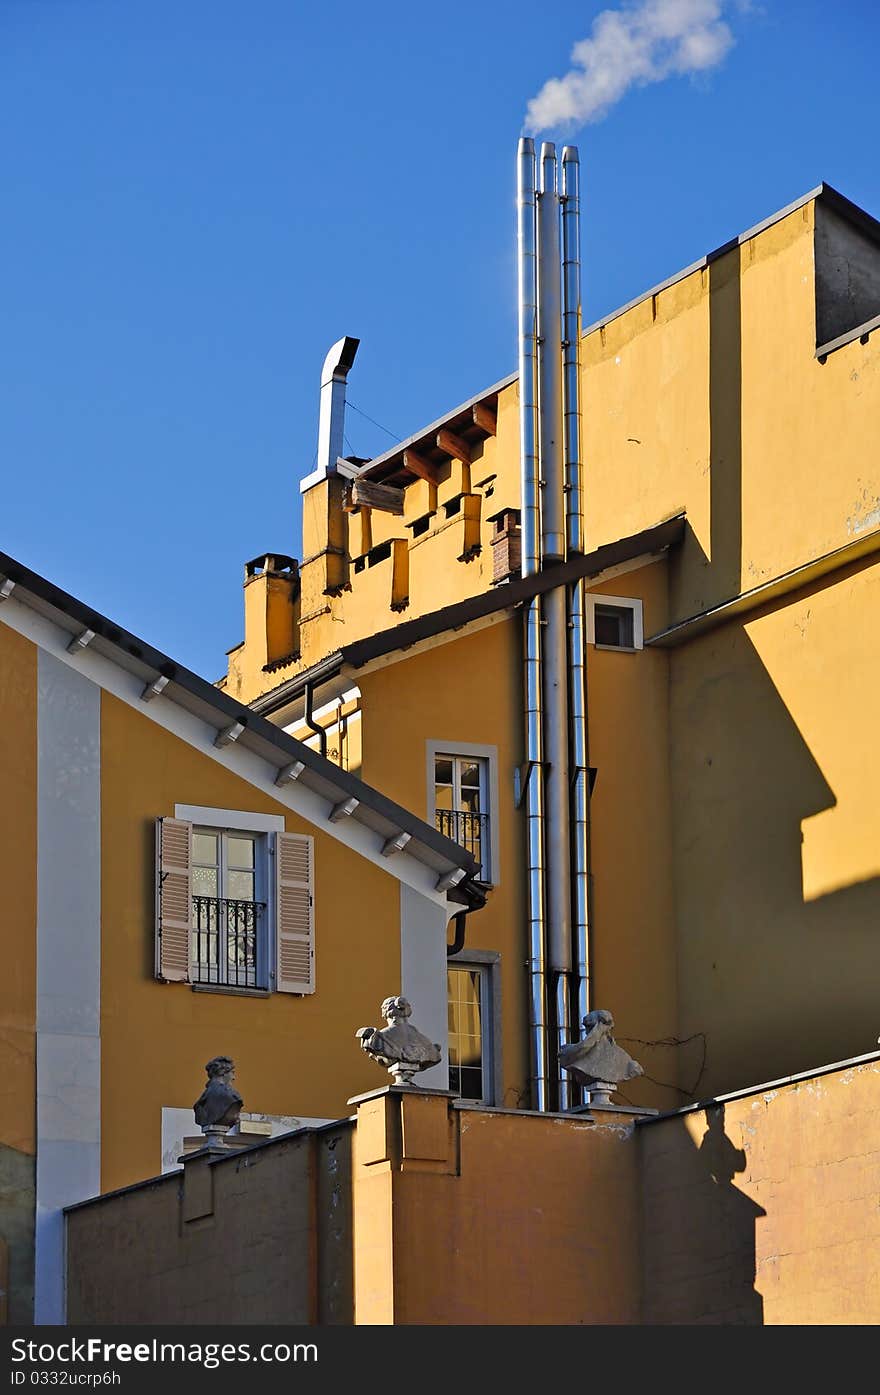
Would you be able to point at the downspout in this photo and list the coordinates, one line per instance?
(310, 721)
(531, 542)
(554, 677)
(457, 945)
(580, 786)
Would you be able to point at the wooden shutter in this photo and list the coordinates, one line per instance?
(173, 899)
(294, 913)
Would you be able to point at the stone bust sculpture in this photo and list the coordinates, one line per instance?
(399, 1046)
(596, 1061)
(219, 1105)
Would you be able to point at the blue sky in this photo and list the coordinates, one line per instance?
(201, 196)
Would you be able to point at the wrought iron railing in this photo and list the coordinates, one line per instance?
(470, 831)
(226, 942)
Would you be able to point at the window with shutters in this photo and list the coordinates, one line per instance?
(234, 907)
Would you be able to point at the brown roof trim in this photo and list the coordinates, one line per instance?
(452, 617)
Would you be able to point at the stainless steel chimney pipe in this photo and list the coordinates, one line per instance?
(531, 561)
(571, 343)
(331, 421)
(530, 523)
(554, 658)
(575, 534)
(549, 362)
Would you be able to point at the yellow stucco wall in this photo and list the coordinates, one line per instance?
(763, 1210)
(705, 396)
(18, 877)
(468, 689)
(290, 1052)
(408, 704)
(475, 1217)
(760, 1210)
(734, 836)
(775, 767)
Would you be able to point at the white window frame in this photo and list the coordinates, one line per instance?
(488, 964)
(488, 755)
(261, 826)
(632, 603)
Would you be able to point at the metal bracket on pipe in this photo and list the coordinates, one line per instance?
(521, 776)
(591, 771)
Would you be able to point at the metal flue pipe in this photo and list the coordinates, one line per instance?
(554, 677)
(331, 421)
(531, 561)
(549, 362)
(530, 523)
(571, 343)
(575, 529)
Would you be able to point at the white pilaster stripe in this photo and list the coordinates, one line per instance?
(423, 975)
(68, 963)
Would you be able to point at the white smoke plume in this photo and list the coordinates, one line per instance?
(629, 47)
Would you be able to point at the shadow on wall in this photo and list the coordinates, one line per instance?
(696, 583)
(783, 982)
(17, 1183)
(699, 1230)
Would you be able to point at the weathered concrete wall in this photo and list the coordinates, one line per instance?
(17, 1183)
(763, 1209)
(261, 1237)
(847, 276)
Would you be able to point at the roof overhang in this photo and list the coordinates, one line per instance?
(240, 727)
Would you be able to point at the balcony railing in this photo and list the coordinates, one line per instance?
(226, 946)
(470, 831)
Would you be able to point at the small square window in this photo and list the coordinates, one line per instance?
(615, 622)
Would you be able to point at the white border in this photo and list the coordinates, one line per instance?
(229, 818)
(632, 603)
(475, 752)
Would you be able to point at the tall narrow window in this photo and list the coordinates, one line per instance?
(468, 1067)
(227, 927)
(461, 805)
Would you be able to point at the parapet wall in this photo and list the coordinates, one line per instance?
(262, 1236)
(760, 1208)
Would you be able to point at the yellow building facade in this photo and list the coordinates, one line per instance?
(731, 480)
(183, 880)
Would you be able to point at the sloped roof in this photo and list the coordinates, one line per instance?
(258, 735)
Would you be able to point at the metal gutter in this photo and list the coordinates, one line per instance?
(768, 591)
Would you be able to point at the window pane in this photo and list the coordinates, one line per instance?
(614, 626)
(204, 881)
(205, 848)
(240, 885)
(470, 801)
(443, 797)
(443, 770)
(240, 851)
(470, 775)
(465, 1032)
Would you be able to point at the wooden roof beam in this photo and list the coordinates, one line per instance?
(485, 418)
(454, 445)
(419, 466)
